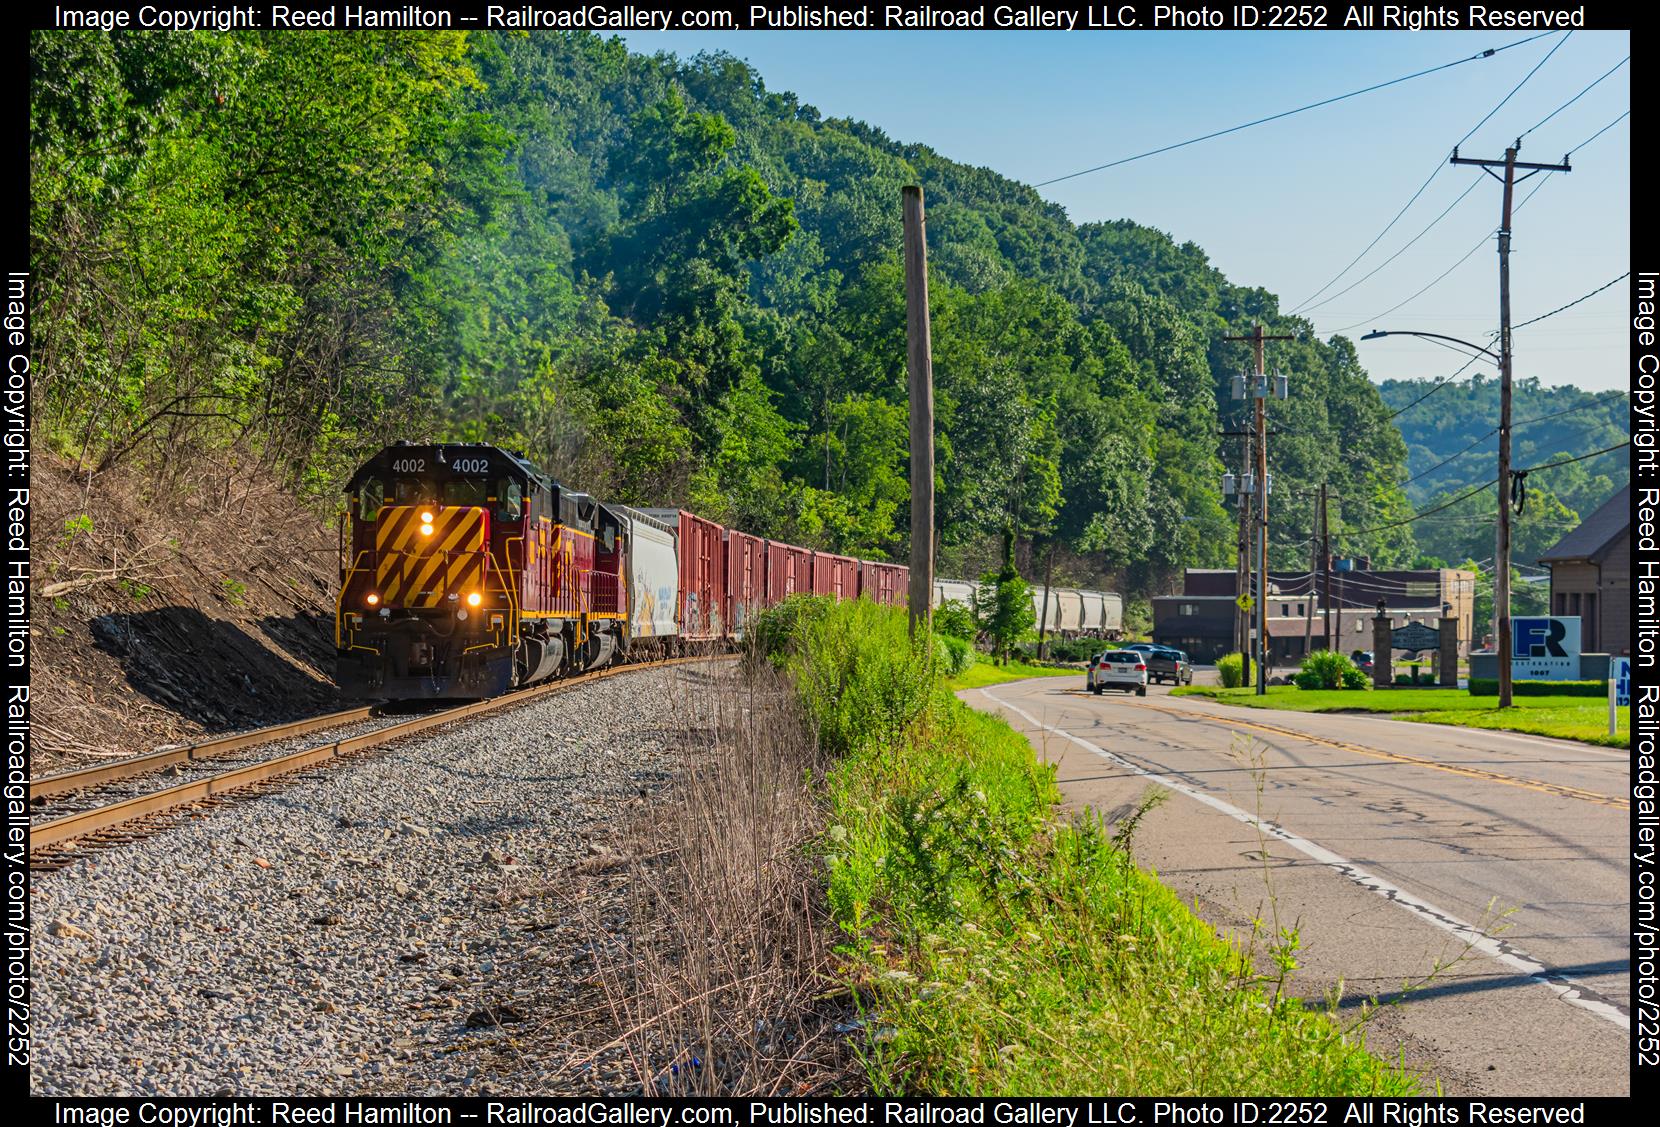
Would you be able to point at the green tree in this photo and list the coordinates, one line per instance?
(1003, 605)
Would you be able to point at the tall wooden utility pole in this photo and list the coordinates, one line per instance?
(1043, 627)
(1242, 568)
(1325, 559)
(1313, 587)
(1501, 555)
(1260, 394)
(919, 366)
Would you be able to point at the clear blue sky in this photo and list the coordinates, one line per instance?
(1285, 205)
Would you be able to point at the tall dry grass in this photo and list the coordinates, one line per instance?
(721, 986)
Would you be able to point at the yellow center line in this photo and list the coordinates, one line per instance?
(1559, 789)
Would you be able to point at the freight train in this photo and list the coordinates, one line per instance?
(466, 571)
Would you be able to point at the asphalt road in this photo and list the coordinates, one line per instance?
(1490, 869)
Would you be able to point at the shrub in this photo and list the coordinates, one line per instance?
(1067, 649)
(953, 655)
(773, 631)
(1324, 669)
(1489, 687)
(1232, 669)
(955, 619)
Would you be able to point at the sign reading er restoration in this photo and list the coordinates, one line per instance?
(1544, 649)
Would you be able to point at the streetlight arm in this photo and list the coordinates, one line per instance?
(1376, 333)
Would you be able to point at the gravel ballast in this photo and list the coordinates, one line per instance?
(364, 931)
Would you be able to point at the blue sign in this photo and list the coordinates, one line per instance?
(1538, 637)
(1544, 649)
(1619, 680)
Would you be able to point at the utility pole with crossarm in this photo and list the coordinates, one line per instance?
(1501, 557)
(1260, 391)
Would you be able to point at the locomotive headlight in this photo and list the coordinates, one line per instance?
(372, 599)
(474, 599)
(426, 518)
(426, 530)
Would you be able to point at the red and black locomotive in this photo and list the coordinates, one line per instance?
(465, 571)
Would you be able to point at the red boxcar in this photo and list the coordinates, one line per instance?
(836, 576)
(884, 583)
(700, 546)
(789, 571)
(746, 575)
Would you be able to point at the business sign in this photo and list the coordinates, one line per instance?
(1415, 636)
(1544, 649)
(1619, 690)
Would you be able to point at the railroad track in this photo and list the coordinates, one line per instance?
(132, 816)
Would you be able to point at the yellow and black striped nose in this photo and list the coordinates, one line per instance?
(428, 552)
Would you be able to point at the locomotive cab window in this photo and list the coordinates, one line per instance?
(370, 499)
(412, 491)
(466, 491)
(509, 499)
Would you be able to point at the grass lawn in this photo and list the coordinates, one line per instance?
(1572, 718)
(983, 673)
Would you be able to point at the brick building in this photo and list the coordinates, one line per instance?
(1201, 619)
(1590, 576)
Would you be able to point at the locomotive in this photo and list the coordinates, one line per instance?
(466, 571)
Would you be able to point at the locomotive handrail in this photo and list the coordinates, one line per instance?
(507, 589)
(340, 599)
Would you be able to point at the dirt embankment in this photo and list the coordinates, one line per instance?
(162, 612)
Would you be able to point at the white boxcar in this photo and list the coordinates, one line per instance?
(953, 590)
(653, 576)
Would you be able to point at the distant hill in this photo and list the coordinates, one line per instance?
(1452, 445)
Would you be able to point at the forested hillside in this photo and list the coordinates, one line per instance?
(1452, 446)
(657, 277)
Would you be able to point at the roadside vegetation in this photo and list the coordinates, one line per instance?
(984, 673)
(1572, 717)
(995, 948)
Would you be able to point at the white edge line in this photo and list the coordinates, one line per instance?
(1421, 908)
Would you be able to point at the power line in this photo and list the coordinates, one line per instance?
(1439, 385)
(1483, 240)
(1436, 171)
(1579, 95)
(1306, 309)
(1487, 54)
(1599, 401)
(1598, 133)
(1455, 457)
(1420, 516)
(1471, 492)
(1444, 382)
(1572, 303)
(1580, 458)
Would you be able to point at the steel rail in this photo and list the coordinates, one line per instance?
(83, 777)
(83, 823)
